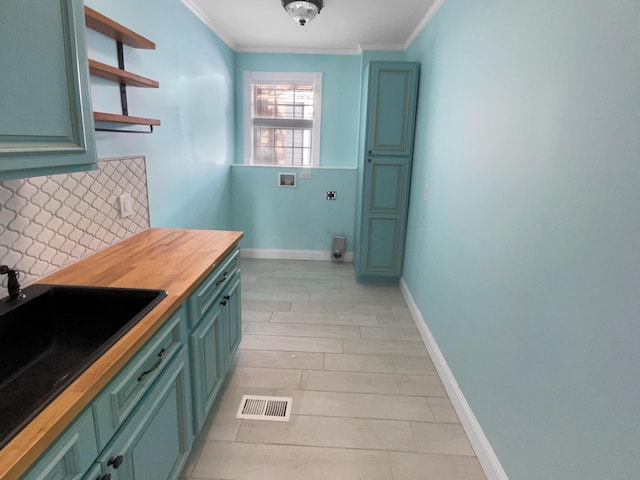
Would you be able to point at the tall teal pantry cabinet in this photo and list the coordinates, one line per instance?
(385, 170)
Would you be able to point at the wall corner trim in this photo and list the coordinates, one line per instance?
(427, 18)
(207, 21)
(487, 457)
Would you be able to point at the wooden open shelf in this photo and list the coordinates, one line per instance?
(98, 22)
(114, 74)
(123, 36)
(128, 119)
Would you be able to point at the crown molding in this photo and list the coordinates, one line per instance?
(427, 18)
(207, 21)
(315, 51)
(382, 47)
(307, 51)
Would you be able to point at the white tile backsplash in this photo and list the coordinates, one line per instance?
(48, 222)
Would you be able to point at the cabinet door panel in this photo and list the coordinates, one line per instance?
(391, 108)
(46, 119)
(71, 455)
(384, 215)
(155, 442)
(383, 250)
(234, 319)
(207, 362)
(124, 393)
(387, 181)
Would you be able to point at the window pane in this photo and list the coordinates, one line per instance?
(279, 128)
(282, 101)
(282, 146)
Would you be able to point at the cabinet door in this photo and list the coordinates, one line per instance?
(71, 455)
(207, 361)
(391, 108)
(46, 124)
(155, 441)
(385, 202)
(233, 319)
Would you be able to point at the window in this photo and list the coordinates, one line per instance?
(282, 118)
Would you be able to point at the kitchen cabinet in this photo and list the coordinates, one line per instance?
(46, 125)
(216, 316)
(140, 395)
(117, 402)
(207, 362)
(71, 455)
(155, 442)
(385, 171)
(140, 425)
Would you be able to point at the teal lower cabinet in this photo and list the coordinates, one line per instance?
(155, 442)
(207, 362)
(71, 455)
(216, 334)
(142, 425)
(232, 316)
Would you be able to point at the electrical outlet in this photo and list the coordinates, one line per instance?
(331, 195)
(426, 192)
(126, 205)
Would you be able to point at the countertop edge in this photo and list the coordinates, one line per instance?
(25, 448)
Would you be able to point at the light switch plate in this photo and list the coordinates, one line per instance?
(126, 205)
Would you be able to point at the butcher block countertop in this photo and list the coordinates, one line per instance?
(172, 260)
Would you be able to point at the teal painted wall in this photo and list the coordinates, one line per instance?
(298, 218)
(302, 218)
(189, 156)
(524, 262)
(340, 99)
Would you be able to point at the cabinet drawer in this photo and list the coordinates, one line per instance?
(116, 402)
(71, 455)
(210, 288)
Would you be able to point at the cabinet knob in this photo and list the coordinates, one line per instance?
(104, 477)
(227, 297)
(115, 462)
(369, 160)
(223, 303)
(370, 152)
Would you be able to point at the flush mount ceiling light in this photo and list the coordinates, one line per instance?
(303, 12)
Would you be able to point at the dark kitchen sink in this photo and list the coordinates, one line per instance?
(51, 336)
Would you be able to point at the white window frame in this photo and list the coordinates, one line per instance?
(291, 78)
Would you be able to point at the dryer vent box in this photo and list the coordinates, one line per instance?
(338, 248)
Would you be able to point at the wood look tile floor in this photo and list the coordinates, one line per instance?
(367, 401)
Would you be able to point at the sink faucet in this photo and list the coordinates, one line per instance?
(13, 286)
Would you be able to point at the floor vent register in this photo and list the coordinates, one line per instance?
(255, 407)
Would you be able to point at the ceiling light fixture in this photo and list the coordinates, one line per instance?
(303, 12)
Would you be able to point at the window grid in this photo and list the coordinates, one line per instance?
(282, 121)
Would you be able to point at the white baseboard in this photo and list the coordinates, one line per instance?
(487, 457)
(317, 255)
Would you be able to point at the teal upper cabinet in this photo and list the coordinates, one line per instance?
(46, 123)
(391, 108)
(386, 171)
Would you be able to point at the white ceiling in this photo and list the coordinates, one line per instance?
(343, 26)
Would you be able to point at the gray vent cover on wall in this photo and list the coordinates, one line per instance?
(255, 407)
